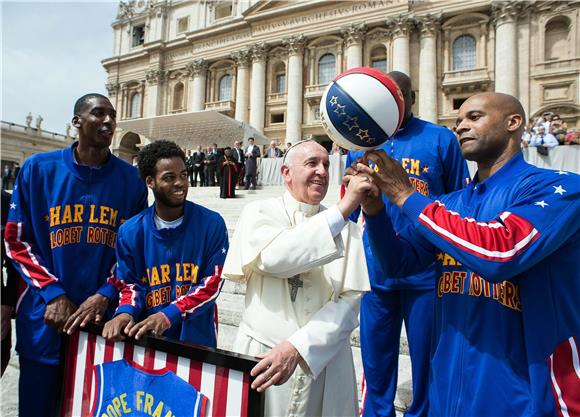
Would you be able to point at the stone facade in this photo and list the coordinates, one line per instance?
(20, 141)
(266, 63)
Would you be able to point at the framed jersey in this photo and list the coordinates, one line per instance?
(154, 376)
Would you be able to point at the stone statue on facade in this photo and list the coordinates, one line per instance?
(29, 120)
(39, 120)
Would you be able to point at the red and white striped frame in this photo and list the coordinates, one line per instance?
(227, 390)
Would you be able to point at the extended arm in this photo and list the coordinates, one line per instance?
(540, 218)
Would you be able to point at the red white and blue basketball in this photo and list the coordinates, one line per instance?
(362, 108)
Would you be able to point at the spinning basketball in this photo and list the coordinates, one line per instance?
(361, 109)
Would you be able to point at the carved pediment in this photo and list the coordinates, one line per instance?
(267, 6)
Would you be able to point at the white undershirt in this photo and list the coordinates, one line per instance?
(164, 224)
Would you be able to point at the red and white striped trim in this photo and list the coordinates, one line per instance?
(564, 366)
(204, 293)
(21, 252)
(489, 240)
(127, 295)
(363, 395)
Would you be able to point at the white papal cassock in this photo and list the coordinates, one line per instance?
(277, 239)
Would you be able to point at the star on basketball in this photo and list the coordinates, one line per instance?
(541, 203)
(440, 256)
(12, 206)
(333, 101)
(363, 134)
(561, 172)
(351, 122)
(425, 169)
(224, 250)
(559, 190)
(340, 110)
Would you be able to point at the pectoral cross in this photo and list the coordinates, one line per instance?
(295, 282)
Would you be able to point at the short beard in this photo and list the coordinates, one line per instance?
(161, 198)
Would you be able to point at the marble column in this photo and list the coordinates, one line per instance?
(400, 28)
(196, 95)
(505, 16)
(353, 37)
(242, 60)
(295, 45)
(155, 78)
(258, 87)
(428, 69)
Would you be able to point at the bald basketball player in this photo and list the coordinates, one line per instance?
(507, 315)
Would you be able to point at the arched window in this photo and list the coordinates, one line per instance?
(178, 96)
(225, 88)
(556, 38)
(326, 68)
(135, 110)
(279, 81)
(464, 53)
(379, 58)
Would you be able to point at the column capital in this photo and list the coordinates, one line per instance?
(295, 44)
(400, 25)
(259, 51)
(506, 12)
(242, 58)
(197, 67)
(429, 24)
(354, 34)
(155, 76)
(112, 88)
(381, 35)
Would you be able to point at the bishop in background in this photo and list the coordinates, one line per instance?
(305, 271)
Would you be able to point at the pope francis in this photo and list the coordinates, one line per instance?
(305, 271)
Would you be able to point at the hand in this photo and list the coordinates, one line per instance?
(389, 176)
(156, 324)
(6, 315)
(359, 187)
(275, 367)
(58, 312)
(116, 328)
(92, 309)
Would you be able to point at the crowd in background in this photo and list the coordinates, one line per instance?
(548, 131)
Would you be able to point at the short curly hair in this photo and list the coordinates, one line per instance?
(150, 154)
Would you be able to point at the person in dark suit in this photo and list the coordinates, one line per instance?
(252, 154)
(198, 167)
(189, 166)
(240, 158)
(273, 151)
(210, 163)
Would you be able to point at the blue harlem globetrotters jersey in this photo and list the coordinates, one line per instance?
(432, 158)
(61, 234)
(507, 317)
(176, 271)
(123, 388)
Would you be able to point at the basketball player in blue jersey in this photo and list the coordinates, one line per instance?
(62, 225)
(169, 258)
(433, 161)
(507, 316)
